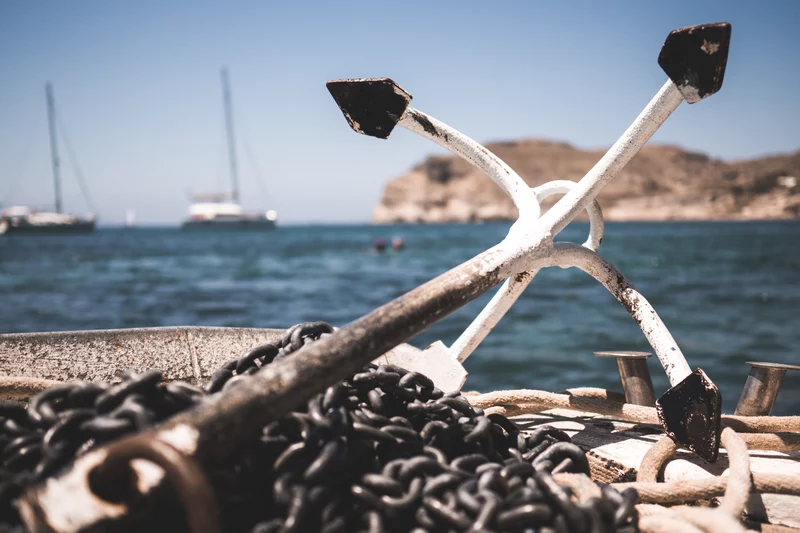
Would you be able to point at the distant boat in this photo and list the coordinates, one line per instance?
(25, 220)
(222, 211)
(130, 218)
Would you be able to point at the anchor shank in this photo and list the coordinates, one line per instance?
(649, 120)
(452, 139)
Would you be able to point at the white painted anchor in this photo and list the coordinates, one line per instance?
(694, 59)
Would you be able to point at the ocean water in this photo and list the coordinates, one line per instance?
(729, 292)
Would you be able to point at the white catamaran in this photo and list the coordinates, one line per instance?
(22, 219)
(222, 210)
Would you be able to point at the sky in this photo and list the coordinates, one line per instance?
(137, 88)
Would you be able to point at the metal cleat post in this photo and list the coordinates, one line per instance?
(761, 388)
(634, 375)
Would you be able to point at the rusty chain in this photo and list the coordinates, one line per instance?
(384, 450)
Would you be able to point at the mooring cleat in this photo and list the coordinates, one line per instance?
(372, 106)
(690, 413)
(694, 58)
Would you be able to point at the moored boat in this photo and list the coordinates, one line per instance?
(223, 211)
(222, 215)
(25, 220)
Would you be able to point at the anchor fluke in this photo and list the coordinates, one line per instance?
(694, 58)
(372, 106)
(690, 413)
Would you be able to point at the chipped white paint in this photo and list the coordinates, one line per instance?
(514, 286)
(182, 437)
(566, 255)
(399, 91)
(148, 474)
(710, 48)
(529, 245)
(596, 222)
(69, 503)
(690, 93)
(458, 143)
(669, 354)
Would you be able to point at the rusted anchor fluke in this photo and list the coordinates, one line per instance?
(694, 58)
(690, 413)
(372, 106)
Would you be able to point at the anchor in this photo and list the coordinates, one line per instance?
(694, 59)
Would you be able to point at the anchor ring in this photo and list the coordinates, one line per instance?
(596, 222)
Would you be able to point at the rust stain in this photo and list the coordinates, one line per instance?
(522, 277)
(426, 124)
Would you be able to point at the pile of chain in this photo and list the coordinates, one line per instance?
(384, 450)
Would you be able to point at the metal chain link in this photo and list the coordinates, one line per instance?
(384, 450)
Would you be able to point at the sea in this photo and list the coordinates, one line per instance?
(728, 292)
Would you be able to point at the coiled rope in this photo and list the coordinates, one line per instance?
(526, 401)
(762, 433)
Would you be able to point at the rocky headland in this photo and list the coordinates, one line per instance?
(660, 183)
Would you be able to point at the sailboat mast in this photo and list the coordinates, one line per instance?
(51, 120)
(226, 94)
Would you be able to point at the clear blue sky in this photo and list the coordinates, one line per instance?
(137, 86)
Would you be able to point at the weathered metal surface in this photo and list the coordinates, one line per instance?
(187, 353)
(691, 412)
(666, 349)
(494, 167)
(634, 375)
(593, 210)
(695, 58)
(761, 388)
(513, 287)
(684, 59)
(184, 477)
(280, 387)
(693, 402)
(374, 106)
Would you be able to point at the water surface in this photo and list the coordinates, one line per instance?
(727, 291)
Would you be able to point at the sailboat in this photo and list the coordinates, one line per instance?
(222, 211)
(22, 219)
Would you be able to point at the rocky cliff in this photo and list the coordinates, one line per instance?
(660, 183)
